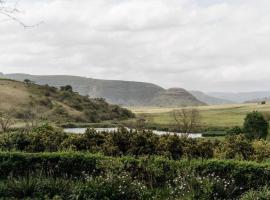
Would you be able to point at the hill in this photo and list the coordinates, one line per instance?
(126, 93)
(209, 99)
(241, 96)
(175, 97)
(55, 105)
(259, 100)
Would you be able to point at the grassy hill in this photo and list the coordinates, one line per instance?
(57, 105)
(117, 92)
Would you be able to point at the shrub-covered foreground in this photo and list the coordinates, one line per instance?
(93, 176)
(135, 143)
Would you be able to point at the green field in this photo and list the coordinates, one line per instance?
(219, 116)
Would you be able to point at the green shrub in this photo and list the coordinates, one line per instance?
(112, 187)
(256, 126)
(262, 194)
(194, 186)
(40, 139)
(236, 130)
(247, 175)
(204, 180)
(261, 150)
(235, 147)
(36, 188)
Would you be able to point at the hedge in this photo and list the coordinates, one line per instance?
(246, 174)
(155, 171)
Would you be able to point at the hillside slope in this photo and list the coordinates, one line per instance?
(175, 97)
(54, 104)
(117, 92)
(209, 99)
(241, 97)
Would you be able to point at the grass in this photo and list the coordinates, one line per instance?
(219, 116)
(12, 93)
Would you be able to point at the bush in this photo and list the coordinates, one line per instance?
(261, 150)
(36, 188)
(235, 147)
(112, 187)
(235, 131)
(40, 139)
(123, 142)
(262, 194)
(246, 175)
(256, 126)
(194, 186)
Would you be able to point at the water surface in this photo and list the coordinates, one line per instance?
(110, 130)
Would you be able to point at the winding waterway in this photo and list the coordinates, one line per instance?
(110, 130)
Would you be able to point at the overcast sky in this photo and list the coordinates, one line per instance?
(209, 45)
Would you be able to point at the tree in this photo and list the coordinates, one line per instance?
(141, 122)
(256, 126)
(66, 88)
(11, 12)
(31, 117)
(205, 149)
(6, 120)
(186, 119)
(28, 82)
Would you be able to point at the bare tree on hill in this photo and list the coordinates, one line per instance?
(6, 120)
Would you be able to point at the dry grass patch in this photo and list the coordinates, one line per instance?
(12, 93)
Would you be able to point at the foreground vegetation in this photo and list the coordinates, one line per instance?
(92, 176)
(134, 164)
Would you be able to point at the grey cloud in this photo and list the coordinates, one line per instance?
(208, 45)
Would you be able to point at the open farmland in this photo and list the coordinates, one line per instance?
(219, 116)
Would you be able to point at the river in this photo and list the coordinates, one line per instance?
(110, 130)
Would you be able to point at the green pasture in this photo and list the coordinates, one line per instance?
(219, 116)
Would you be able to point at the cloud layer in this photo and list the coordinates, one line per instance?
(196, 44)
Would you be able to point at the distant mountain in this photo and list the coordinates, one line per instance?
(209, 99)
(127, 93)
(175, 97)
(241, 96)
(259, 100)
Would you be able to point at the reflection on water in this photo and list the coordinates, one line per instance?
(110, 130)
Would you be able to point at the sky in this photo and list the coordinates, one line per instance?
(208, 45)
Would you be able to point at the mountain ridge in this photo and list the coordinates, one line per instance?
(241, 97)
(128, 93)
(204, 97)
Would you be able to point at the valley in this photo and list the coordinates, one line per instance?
(134, 100)
(216, 117)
